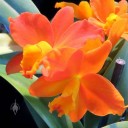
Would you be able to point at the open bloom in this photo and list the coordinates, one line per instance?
(78, 88)
(114, 14)
(39, 37)
(107, 14)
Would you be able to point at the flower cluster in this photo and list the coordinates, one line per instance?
(70, 54)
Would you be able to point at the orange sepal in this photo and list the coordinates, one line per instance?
(85, 11)
(44, 88)
(77, 34)
(101, 96)
(115, 32)
(61, 21)
(102, 8)
(13, 66)
(26, 29)
(91, 44)
(95, 58)
(123, 7)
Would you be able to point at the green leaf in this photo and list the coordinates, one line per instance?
(23, 5)
(78, 125)
(6, 11)
(39, 105)
(123, 124)
(117, 48)
(91, 121)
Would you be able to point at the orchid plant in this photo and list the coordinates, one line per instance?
(64, 68)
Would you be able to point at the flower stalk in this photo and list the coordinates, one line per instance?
(119, 66)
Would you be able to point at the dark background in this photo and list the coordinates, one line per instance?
(8, 119)
(8, 94)
(46, 7)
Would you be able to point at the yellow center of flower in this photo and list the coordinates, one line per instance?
(110, 20)
(32, 57)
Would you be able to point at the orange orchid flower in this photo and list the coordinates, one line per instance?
(111, 14)
(39, 37)
(78, 88)
(107, 14)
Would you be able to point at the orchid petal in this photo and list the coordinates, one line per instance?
(71, 67)
(74, 63)
(96, 22)
(78, 33)
(125, 34)
(85, 10)
(67, 101)
(92, 61)
(123, 7)
(13, 66)
(61, 21)
(116, 32)
(54, 61)
(102, 8)
(101, 96)
(91, 44)
(32, 57)
(80, 108)
(62, 105)
(45, 88)
(30, 28)
(95, 58)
